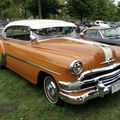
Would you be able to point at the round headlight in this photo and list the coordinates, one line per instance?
(76, 67)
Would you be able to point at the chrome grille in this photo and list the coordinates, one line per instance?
(98, 72)
(108, 76)
(111, 78)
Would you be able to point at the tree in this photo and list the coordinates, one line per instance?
(81, 8)
(111, 10)
(21, 5)
(39, 8)
(48, 7)
(118, 12)
(105, 9)
(8, 9)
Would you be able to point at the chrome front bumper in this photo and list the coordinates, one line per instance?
(84, 89)
(99, 92)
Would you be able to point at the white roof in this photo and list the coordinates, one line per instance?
(40, 23)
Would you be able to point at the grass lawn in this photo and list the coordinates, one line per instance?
(20, 100)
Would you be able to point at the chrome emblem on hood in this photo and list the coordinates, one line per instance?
(108, 54)
(108, 61)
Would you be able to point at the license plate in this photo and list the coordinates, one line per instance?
(115, 87)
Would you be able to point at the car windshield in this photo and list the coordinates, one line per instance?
(54, 32)
(110, 32)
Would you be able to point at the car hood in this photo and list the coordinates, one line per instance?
(92, 56)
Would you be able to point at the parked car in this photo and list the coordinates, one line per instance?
(112, 24)
(101, 23)
(48, 53)
(118, 29)
(102, 34)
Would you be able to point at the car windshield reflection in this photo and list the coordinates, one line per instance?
(54, 32)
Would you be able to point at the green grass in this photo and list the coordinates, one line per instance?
(20, 100)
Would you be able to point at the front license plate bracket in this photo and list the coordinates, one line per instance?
(115, 87)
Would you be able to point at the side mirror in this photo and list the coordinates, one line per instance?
(33, 39)
(82, 35)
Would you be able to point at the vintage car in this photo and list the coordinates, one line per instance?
(49, 53)
(106, 35)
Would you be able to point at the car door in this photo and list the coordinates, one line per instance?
(18, 50)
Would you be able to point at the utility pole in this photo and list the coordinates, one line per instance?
(39, 9)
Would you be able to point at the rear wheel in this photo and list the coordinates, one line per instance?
(51, 90)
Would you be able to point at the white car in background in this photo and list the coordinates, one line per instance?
(101, 23)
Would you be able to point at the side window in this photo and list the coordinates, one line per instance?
(98, 34)
(92, 33)
(18, 32)
(9, 32)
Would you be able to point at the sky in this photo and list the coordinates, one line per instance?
(116, 1)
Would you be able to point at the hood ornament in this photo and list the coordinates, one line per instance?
(109, 61)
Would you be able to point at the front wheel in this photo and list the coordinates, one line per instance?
(51, 90)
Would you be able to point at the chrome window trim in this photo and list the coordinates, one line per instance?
(13, 39)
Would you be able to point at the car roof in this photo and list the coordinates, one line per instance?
(98, 27)
(41, 23)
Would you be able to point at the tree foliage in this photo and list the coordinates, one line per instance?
(7, 8)
(81, 8)
(118, 12)
(105, 9)
(48, 7)
(95, 9)
(76, 9)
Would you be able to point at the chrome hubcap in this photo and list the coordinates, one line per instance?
(51, 90)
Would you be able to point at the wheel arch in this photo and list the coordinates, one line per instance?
(41, 77)
(54, 99)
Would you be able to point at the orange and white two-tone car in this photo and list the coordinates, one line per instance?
(49, 53)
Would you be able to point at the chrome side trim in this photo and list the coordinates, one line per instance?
(35, 65)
